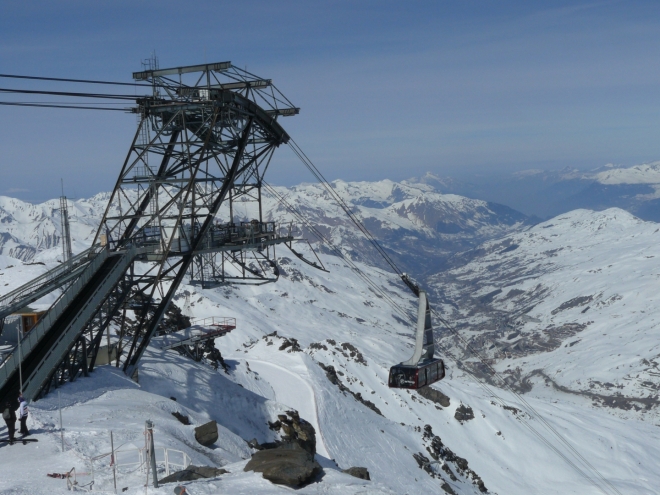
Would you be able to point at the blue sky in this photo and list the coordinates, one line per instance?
(387, 89)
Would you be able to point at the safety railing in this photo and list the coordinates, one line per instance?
(30, 340)
(46, 282)
(169, 460)
(218, 325)
(215, 321)
(228, 236)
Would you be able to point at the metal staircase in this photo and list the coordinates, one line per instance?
(58, 330)
(47, 283)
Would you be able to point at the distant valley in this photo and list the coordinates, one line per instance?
(545, 194)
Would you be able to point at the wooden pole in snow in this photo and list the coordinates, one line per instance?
(59, 405)
(114, 461)
(152, 452)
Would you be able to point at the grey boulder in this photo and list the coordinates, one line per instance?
(289, 465)
(192, 473)
(207, 434)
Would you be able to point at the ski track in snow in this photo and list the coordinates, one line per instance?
(292, 390)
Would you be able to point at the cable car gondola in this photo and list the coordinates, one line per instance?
(422, 368)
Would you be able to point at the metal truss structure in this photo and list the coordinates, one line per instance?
(205, 138)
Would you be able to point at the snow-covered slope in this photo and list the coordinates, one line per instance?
(337, 322)
(573, 303)
(329, 359)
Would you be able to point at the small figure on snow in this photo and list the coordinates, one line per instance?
(23, 414)
(9, 415)
(180, 490)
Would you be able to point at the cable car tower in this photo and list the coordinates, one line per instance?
(205, 138)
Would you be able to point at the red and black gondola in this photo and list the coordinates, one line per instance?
(422, 369)
(414, 377)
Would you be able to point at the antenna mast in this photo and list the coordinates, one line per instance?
(66, 231)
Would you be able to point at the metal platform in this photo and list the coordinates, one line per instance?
(194, 339)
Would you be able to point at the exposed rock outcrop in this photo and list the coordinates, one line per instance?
(192, 473)
(292, 429)
(181, 417)
(331, 373)
(464, 413)
(440, 452)
(288, 464)
(290, 344)
(358, 472)
(434, 396)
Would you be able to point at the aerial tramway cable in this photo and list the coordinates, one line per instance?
(600, 482)
(378, 289)
(53, 105)
(326, 185)
(61, 79)
(69, 93)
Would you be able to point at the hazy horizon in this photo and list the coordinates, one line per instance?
(386, 90)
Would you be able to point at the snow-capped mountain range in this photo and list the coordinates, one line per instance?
(26, 228)
(336, 339)
(571, 303)
(419, 227)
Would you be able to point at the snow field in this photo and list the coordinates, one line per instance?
(314, 308)
(610, 257)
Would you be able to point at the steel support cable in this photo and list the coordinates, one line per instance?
(64, 102)
(74, 107)
(347, 209)
(310, 166)
(70, 93)
(395, 306)
(326, 185)
(339, 253)
(86, 81)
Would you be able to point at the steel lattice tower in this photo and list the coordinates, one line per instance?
(205, 137)
(196, 143)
